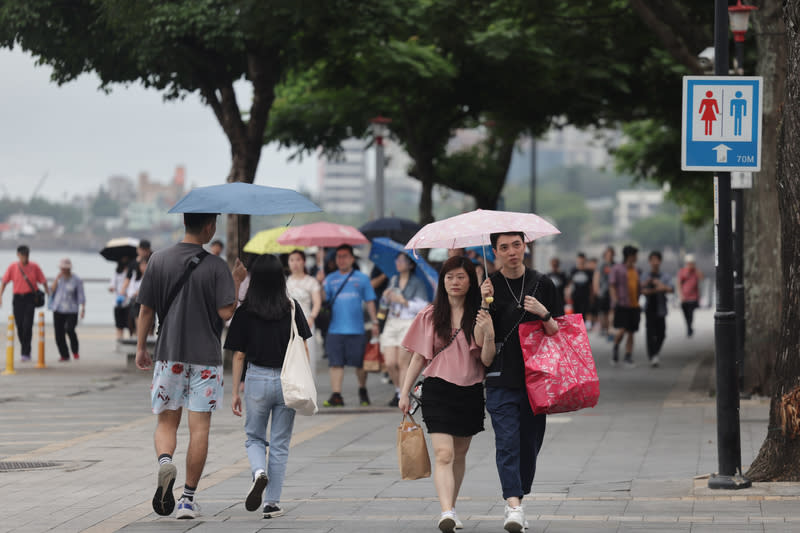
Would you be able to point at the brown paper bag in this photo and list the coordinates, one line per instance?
(412, 452)
(372, 357)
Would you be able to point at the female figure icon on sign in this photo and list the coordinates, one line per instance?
(708, 111)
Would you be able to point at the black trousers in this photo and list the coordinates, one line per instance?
(688, 313)
(64, 326)
(23, 316)
(656, 331)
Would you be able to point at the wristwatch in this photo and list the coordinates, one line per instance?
(547, 317)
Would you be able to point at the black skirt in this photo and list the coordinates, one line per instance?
(452, 409)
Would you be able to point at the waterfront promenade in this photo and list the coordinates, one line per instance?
(634, 463)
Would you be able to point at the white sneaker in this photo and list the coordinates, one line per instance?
(447, 522)
(459, 523)
(655, 361)
(187, 508)
(515, 519)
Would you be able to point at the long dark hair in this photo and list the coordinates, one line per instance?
(441, 304)
(266, 295)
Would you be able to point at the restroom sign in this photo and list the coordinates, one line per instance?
(721, 125)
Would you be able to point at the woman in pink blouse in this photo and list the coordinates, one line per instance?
(453, 341)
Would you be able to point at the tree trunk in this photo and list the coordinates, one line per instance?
(779, 457)
(425, 174)
(762, 228)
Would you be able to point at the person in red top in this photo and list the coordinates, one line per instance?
(24, 290)
(689, 278)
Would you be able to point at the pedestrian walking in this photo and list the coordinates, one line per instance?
(349, 289)
(403, 299)
(689, 278)
(453, 341)
(579, 287)
(655, 288)
(600, 283)
(259, 335)
(591, 312)
(518, 432)
(193, 293)
(307, 291)
(66, 302)
(26, 277)
(143, 253)
(559, 279)
(121, 303)
(624, 287)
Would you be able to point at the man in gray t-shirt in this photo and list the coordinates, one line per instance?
(188, 357)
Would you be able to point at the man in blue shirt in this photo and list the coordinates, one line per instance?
(346, 290)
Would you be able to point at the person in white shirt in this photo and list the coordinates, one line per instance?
(306, 290)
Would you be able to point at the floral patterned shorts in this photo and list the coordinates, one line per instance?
(176, 385)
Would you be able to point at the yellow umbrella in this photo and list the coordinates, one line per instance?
(266, 242)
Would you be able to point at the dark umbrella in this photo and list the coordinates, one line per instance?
(116, 249)
(397, 229)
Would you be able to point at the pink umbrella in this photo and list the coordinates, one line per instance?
(475, 227)
(322, 234)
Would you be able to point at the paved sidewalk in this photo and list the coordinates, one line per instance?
(634, 463)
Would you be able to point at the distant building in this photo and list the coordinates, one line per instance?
(343, 181)
(162, 194)
(633, 205)
(121, 189)
(22, 225)
(147, 217)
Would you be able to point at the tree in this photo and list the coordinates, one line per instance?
(186, 46)
(103, 205)
(657, 232)
(779, 457)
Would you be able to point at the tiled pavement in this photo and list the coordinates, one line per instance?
(634, 463)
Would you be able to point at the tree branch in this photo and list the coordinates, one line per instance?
(667, 37)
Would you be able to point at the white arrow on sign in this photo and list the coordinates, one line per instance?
(722, 153)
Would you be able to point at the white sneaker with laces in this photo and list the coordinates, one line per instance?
(655, 361)
(515, 519)
(447, 522)
(187, 508)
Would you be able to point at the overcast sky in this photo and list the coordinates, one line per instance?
(79, 136)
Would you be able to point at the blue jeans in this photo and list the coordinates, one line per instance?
(263, 396)
(518, 436)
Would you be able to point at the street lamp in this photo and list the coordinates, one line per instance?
(738, 17)
(380, 128)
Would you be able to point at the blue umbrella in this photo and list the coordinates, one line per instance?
(383, 253)
(483, 251)
(244, 199)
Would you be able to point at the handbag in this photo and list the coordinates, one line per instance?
(38, 294)
(560, 374)
(373, 360)
(412, 451)
(323, 320)
(297, 380)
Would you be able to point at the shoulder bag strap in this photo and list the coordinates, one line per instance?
(440, 350)
(22, 271)
(196, 260)
(341, 287)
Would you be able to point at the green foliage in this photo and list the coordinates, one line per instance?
(65, 215)
(652, 152)
(657, 232)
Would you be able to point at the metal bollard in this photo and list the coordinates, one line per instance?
(40, 362)
(9, 371)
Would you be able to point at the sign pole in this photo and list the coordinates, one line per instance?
(728, 433)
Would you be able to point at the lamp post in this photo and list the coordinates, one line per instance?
(380, 128)
(729, 446)
(739, 16)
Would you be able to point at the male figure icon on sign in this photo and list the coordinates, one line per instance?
(708, 111)
(738, 110)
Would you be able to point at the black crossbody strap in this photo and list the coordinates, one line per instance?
(340, 288)
(452, 338)
(193, 262)
(22, 271)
